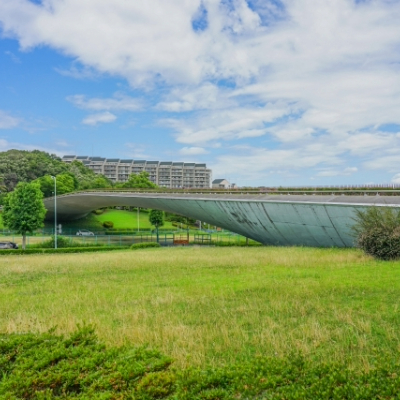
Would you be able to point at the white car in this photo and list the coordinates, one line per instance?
(84, 232)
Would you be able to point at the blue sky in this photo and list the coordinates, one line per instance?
(266, 92)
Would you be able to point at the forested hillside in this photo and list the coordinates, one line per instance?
(27, 166)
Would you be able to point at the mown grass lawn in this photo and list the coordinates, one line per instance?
(122, 219)
(128, 220)
(213, 306)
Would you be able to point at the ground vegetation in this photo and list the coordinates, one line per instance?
(377, 232)
(256, 323)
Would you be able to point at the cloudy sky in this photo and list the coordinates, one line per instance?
(266, 92)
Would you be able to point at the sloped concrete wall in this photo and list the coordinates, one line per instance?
(317, 221)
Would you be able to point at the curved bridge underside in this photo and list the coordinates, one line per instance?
(317, 221)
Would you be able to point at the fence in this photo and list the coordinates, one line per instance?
(165, 239)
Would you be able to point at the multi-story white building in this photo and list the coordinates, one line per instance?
(166, 174)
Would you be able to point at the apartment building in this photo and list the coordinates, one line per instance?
(166, 174)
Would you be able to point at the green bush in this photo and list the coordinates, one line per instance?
(235, 244)
(62, 242)
(98, 212)
(144, 245)
(115, 232)
(377, 232)
(108, 224)
(45, 366)
(79, 367)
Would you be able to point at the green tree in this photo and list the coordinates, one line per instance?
(46, 184)
(24, 210)
(66, 183)
(140, 180)
(87, 178)
(156, 218)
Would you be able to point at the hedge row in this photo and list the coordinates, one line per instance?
(62, 250)
(235, 244)
(144, 245)
(45, 366)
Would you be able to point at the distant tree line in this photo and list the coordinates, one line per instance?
(38, 166)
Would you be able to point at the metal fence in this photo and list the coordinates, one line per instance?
(165, 239)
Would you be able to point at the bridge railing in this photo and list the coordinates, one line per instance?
(307, 191)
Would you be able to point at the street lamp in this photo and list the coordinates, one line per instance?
(55, 211)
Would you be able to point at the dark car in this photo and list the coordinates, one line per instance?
(8, 245)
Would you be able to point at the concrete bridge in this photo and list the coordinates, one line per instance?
(286, 220)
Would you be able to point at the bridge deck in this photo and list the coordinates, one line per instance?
(310, 220)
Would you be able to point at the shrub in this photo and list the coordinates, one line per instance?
(144, 245)
(98, 212)
(235, 244)
(108, 224)
(377, 232)
(62, 242)
(45, 366)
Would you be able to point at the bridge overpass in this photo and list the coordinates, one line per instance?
(275, 219)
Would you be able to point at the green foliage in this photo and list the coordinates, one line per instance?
(87, 178)
(79, 367)
(144, 245)
(66, 183)
(23, 210)
(140, 180)
(88, 249)
(98, 212)
(45, 366)
(235, 244)
(62, 243)
(25, 166)
(108, 224)
(377, 232)
(156, 218)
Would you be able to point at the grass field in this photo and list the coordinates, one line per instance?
(128, 220)
(213, 306)
(122, 220)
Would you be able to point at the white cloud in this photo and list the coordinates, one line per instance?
(120, 102)
(13, 57)
(332, 172)
(136, 150)
(7, 145)
(316, 79)
(192, 151)
(7, 121)
(100, 118)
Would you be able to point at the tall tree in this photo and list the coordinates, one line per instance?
(24, 210)
(140, 180)
(156, 218)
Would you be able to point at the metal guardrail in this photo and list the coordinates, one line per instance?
(321, 191)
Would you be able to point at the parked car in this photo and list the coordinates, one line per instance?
(84, 232)
(8, 245)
